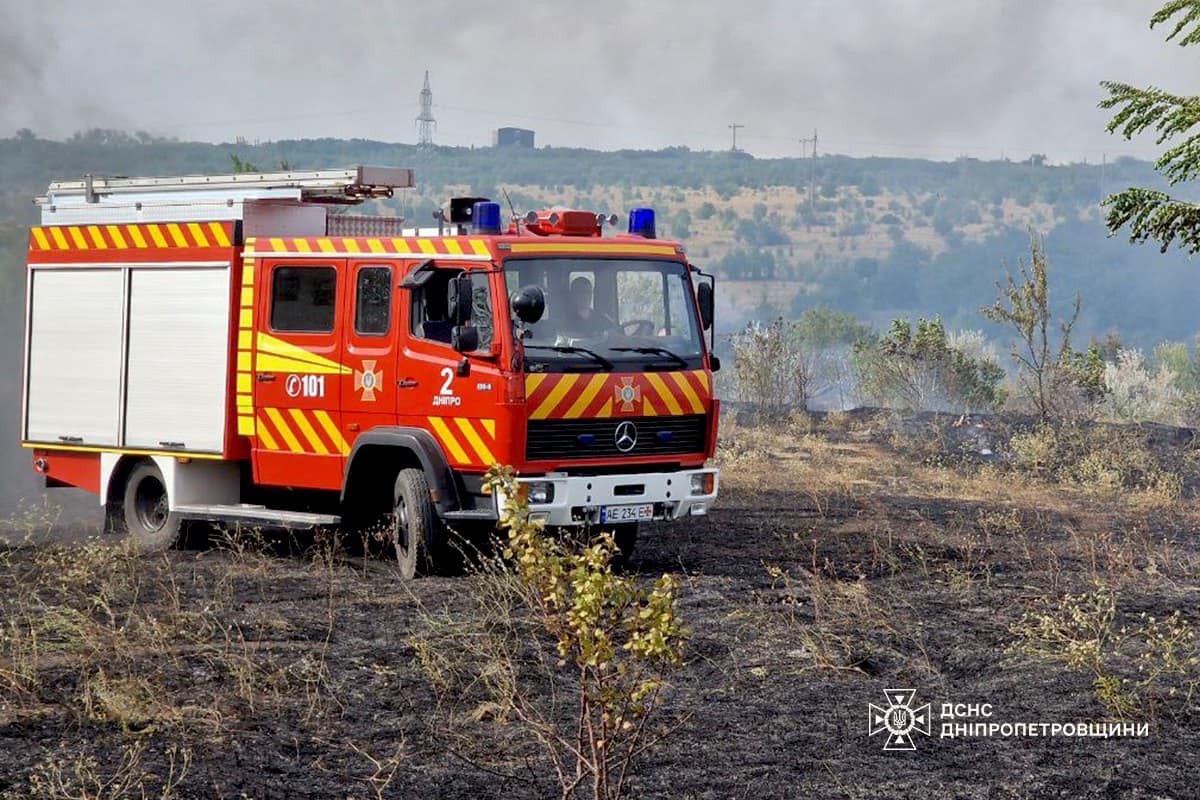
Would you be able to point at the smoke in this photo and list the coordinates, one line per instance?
(931, 78)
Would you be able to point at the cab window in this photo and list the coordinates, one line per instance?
(430, 301)
(373, 301)
(481, 308)
(303, 299)
(429, 306)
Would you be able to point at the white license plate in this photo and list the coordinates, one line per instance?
(626, 513)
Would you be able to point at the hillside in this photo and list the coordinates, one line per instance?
(879, 237)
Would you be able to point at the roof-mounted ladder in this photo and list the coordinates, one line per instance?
(121, 199)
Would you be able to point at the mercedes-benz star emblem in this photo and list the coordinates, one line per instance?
(625, 436)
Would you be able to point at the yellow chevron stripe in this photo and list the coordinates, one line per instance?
(596, 249)
(198, 234)
(157, 235)
(282, 428)
(248, 296)
(685, 388)
(59, 240)
(532, 382)
(589, 394)
(667, 396)
(97, 237)
(401, 246)
(285, 351)
(448, 441)
(264, 435)
(427, 247)
(453, 247)
(352, 246)
(489, 425)
(244, 383)
(331, 430)
(77, 237)
(302, 246)
(277, 245)
(480, 247)
(135, 233)
(473, 438)
(556, 394)
(248, 272)
(114, 232)
(268, 362)
(177, 234)
(306, 428)
(39, 236)
(606, 409)
(375, 246)
(245, 425)
(218, 232)
(326, 246)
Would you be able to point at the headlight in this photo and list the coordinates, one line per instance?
(540, 493)
(703, 482)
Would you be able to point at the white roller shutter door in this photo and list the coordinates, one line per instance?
(178, 351)
(75, 356)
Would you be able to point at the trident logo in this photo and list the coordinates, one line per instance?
(899, 719)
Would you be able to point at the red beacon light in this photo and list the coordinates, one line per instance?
(564, 222)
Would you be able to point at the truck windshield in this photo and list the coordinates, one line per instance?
(609, 315)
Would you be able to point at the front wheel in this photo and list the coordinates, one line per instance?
(416, 530)
(144, 514)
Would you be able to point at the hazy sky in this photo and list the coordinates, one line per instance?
(928, 78)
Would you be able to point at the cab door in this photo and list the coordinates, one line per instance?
(299, 374)
(369, 335)
(453, 395)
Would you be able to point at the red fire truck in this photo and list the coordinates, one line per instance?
(237, 349)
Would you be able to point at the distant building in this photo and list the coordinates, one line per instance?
(513, 137)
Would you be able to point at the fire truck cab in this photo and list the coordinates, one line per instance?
(238, 349)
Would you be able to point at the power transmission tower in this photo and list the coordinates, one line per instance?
(734, 127)
(812, 172)
(425, 121)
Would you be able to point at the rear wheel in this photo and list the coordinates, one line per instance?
(143, 514)
(416, 531)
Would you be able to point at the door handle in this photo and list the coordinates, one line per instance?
(265, 377)
(407, 383)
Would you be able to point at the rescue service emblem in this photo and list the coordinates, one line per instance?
(626, 394)
(368, 380)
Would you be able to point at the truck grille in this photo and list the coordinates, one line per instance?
(596, 438)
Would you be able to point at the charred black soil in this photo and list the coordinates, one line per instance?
(834, 568)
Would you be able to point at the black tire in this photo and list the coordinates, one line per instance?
(142, 514)
(625, 536)
(416, 530)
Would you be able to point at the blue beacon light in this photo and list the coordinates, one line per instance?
(641, 222)
(485, 216)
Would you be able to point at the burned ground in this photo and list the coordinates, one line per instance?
(836, 565)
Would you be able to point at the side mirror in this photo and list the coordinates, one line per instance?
(458, 300)
(529, 303)
(704, 295)
(464, 338)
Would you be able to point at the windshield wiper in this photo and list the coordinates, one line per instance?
(662, 351)
(564, 348)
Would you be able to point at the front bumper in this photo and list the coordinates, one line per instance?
(578, 499)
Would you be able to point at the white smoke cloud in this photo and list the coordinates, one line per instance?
(932, 78)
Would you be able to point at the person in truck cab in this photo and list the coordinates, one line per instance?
(582, 319)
